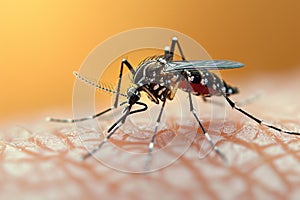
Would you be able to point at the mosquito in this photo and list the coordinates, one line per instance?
(160, 77)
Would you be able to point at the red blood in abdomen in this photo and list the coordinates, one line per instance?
(197, 88)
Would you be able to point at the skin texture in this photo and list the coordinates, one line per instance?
(42, 42)
(43, 162)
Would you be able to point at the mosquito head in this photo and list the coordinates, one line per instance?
(133, 95)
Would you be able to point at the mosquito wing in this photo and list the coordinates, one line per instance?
(202, 64)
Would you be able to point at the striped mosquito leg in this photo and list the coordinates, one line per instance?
(259, 121)
(50, 119)
(124, 62)
(172, 50)
(207, 136)
(110, 131)
(151, 144)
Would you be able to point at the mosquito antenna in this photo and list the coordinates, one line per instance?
(97, 85)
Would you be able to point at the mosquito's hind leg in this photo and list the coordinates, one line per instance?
(259, 121)
(169, 52)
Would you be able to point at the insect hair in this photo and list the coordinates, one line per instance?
(155, 57)
(102, 86)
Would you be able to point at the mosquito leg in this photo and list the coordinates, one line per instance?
(141, 109)
(50, 119)
(112, 129)
(192, 109)
(167, 53)
(172, 49)
(259, 121)
(151, 144)
(129, 66)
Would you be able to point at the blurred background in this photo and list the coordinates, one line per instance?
(42, 42)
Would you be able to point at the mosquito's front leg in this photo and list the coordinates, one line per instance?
(50, 119)
(113, 128)
(110, 131)
(129, 66)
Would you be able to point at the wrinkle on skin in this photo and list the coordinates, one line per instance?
(45, 164)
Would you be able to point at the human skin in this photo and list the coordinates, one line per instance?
(43, 162)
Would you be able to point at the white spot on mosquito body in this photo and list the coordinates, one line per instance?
(161, 91)
(191, 78)
(156, 87)
(223, 89)
(204, 81)
(214, 86)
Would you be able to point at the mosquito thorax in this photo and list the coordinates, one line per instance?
(148, 72)
(151, 78)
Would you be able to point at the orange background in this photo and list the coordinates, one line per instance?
(42, 42)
